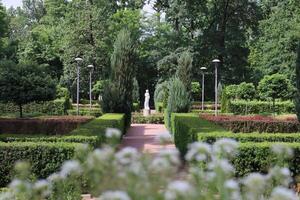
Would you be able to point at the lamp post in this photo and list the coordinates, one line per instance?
(203, 85)
(91, 67)
(78, 60)
(216, 62)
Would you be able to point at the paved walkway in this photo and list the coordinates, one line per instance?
(142, 137)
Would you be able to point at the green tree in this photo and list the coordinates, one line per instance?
(275, 86)
(298, 83)
(195, 90)
(136, 91)
(246, 91)
(25, 83)
(121, 81)
(3, 24)
(184, 70)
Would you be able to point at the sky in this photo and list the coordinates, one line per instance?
(15, 3)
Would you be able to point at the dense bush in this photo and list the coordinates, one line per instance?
(160, 94)
(297, 101)
(138, 118)
(56, 107)
(258, 157)
(159, 107)
(252, 137)
(196, 91)
(45, 158)
(257, 107)
(178, 100)
(91, 140)
(46, 126)
(136, 107)
(95, 112)
(184, 70)
(98, 126)
(247, 126)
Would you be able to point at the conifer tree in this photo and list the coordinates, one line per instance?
(184, 71)
(298, 83)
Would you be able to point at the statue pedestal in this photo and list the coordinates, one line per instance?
(146, 112)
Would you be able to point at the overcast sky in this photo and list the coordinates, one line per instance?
(16, 3)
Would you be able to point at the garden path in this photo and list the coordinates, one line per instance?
(143, 138)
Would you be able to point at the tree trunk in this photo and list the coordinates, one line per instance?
(21, 111)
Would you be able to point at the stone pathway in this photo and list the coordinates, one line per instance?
(142, 137)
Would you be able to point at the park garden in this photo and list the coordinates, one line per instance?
(83, 82)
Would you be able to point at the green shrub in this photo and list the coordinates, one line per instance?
(178, 100)
(136, 107)
(160, 95)
(253, 137)
(95, 112)
(98, 126)
(257, 107)
(91, 140)
(297, 99)
(159, 107)
(46, 126)
(138, 118)
(258, 157)
(45, 158)
(249, 126)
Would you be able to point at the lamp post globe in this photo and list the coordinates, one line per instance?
(203, 85)
(78, 60)
(216, 63)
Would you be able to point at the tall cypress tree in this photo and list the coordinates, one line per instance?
(298, 83)
(184, 70)
(118, 95)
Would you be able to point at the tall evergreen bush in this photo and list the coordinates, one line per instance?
(184, 71)
(297, 102)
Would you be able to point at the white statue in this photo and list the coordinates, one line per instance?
(147, 99)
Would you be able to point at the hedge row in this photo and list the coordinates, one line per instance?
(45, 126)
(56, 107)
(90, 140)
(45, 158)
(138, 118)
(257, 107)
(95, 112)
(253, 137)
(241, 126)
(258, 157)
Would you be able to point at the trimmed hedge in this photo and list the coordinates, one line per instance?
(253, 137)
(258, 157)
(95, 112)
(56, 107)
(257, 107)
(45, 158)
(245, 126)
(91, 140)
(138, 118)
(98, 126)
(45, 126)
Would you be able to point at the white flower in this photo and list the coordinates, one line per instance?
(233, 188)
(127, 156)
(198, 151)
(54, 177)
(178, 190)
(114, 195)
(42, 187)
(160, 164)
(281, 175)
(281, 193)
(18, 185)
(113, 133)
(6, 196)
(70, 167)
(164, 138)
(255, 182)
(282, 150)
(100, 157)
(221, 165)
(225, 147)
(172, 155)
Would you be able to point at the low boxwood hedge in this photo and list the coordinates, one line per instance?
(253, 137)
(95, 112)
(45, 158)
(258, 157)
(90, 140)
(138, 118)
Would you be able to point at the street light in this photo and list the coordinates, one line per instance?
(78, 60)
(202, 71)
(91, 67)
(216, 62)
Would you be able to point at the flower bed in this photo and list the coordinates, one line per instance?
(256, 123)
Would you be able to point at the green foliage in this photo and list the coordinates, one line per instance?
(135, 92)
(297, 102)
(241, 107)
(178, 100)
(195, 90)
(37, 154)
(160, 93)
(118, 97)
(138, 118)
(231, 91)
(184, 70)
(246, 91)
(135, 107)
(95, 112)
(250, 137)
(275, 86)
(25, 83)
(98, 88)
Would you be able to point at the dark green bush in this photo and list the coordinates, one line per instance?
(252, 137)
(159, 107)
(98, 126)
(91, 140)
(258, 157)
(245, 126)
(257, 107)
(138, 118)
(45, 158)
(136, 107)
